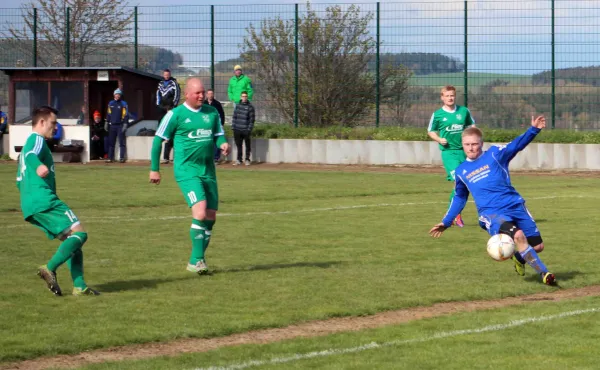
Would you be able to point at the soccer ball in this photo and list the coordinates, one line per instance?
(501, 247)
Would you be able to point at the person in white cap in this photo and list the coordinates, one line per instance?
(117, 118)
(238, 83)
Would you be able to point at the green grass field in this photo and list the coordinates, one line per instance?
(289, 247)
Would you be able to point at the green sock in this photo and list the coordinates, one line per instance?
(66, 250)
(75, 264)
(207, 234)
(197, 232)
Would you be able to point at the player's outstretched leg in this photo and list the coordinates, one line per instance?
(198, 236)
(66, 249)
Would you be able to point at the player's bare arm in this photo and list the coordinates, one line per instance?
(435, 137)
(437, 230)
(155, 177)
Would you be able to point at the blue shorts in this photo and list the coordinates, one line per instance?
(518, 214)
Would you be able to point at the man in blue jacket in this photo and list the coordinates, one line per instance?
(117, 118)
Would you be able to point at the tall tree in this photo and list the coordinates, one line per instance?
(94, 26)
(335, 49)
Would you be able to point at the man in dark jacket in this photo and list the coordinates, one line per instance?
(243, 123)
(117, 119)
(210, 100)
(167, 98)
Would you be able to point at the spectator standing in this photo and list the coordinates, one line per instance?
(117, 118)
(238, 83)
(167, 98)
(81, 118)
(3, 127)
(210, 100)
(97, 136)
(243, 123)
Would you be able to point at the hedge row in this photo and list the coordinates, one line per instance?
(264, 131)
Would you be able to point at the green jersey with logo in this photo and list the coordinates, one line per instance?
(37, 194)
(194, 133)
(450, 125)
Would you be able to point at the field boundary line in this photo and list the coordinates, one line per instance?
(398, 342)
(303, 330)
(111, 219)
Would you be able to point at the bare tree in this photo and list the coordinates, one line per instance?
(335, 58)
(94, 26)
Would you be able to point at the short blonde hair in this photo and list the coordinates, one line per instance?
(473, 131)
(448, 88)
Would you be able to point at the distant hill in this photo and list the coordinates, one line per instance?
(418, 63)
(584, 75)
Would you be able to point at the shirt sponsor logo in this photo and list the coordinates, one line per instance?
(478, 174)
(454, 128)
(200, 134)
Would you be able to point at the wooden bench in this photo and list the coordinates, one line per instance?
(72, 154)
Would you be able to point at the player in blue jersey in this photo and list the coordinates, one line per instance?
(501, 209)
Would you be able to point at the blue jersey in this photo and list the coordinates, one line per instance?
(487, 178)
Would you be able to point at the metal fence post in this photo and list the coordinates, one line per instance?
(553, 78)
(212, 47)
(35, 37)
(68, 38)
(135, 37)
(466, 73)
(296, 82)
(377, 74)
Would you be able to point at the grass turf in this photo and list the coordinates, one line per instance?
(289, 247)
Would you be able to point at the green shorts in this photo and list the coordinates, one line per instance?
(197, 189)
(56, 221)
(451, 160)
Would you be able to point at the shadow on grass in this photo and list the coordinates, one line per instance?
(275, 266)
(138, 284)
(560, 276)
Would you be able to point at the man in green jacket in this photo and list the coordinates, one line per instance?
(238, 83)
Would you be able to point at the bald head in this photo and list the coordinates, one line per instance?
(194, 92)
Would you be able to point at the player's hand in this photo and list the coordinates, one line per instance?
(443, 141)
(225, 149)
(538, 122)
(437, 230)
(42, 171)
(155, 177)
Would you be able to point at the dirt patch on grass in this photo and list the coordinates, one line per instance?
(309, 329)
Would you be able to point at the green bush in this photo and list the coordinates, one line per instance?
(266, 131)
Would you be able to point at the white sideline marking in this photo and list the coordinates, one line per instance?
(375, 345)
(111, 219)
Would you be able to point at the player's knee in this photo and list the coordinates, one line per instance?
(81, 235)
(536, 243)
(519, 237)
(211, 214)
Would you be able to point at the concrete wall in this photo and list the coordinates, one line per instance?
(19, 134)
(536, 156)
(4, 144)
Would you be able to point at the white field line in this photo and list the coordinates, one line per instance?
(375, 345)
(112, 219)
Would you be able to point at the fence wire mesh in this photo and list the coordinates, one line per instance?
(508, 59)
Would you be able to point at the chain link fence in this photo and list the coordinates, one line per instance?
(508, 59)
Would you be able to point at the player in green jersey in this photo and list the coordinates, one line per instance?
(446, 127)
(195, 128)
(42, 208)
